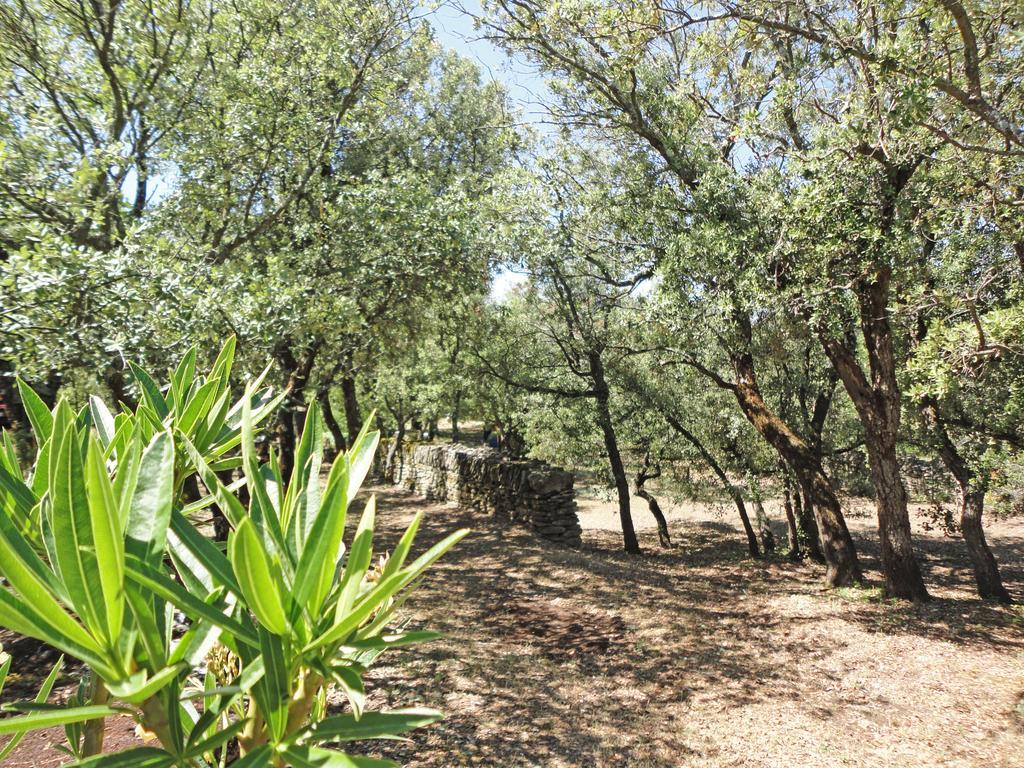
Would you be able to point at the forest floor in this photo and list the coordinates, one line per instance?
(701, 656)
(697, 656)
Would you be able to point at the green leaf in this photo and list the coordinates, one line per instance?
(183, 376)
(392, 640)
(359, 558)
(150, 392)
(319, 557)
(384, 590)
(102, 419)
(351, 684)
(397, 558)
(141, 685)
(150, 513)
(258, 758)
(52, 717)
(360, 459)
(262, 511)
(201, 555)
(138, 757)
(198, 407)
(218, 739)
(42, 696)
(192, 606)
(303, 496)
(227, 501)
(222, 365)
(107, 538)
(273, 688)
(17, 500)
(372, 725)
(74, 544)
(262, 592)
(316, 757)
(39, 415)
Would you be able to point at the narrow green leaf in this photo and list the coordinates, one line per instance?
(49, 718)
(192, 606)
(137, 757)
(303, 496)
(316, 757)
(260, 757)
(102, 419)
(150, 392)
(39, 415)
(351, 684)
(372, 725)
(359, 557)
(392, 640)
(150, 513)
(201, 555)
(222, 365)
(227, 501)
(198, 407)
(17, 500)
(142, 685)
(74, 544)
(381, 592)
(262, 592)
(41, 696)
(360, 459)
(107, 538)
(274, 685)
(397, 558)
(183, 376)
(319, 557)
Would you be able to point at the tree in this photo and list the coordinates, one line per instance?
(625, 74)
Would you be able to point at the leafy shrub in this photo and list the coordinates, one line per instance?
(99, 550)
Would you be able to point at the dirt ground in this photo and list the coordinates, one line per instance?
(697, 656)
(700, 656)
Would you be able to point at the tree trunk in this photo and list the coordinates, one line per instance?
(986, 570)
(395, 452)
(640, 482)
(12, 412)
(353, 420)
(292, 410)
(732, 490)
(808, 524)
(842, 565)
(337, 436)
(972, 505)
(113, 377)
(456, 407)
(902, 572)
(876, 397)
(604, 420)
(764, 528)
(793, 532)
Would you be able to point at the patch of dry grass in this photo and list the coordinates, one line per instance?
(697, 657)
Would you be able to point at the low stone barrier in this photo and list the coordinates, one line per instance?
(529, 492)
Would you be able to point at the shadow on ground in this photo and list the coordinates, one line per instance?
(594, 657)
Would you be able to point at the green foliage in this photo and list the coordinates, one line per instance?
(99, 549)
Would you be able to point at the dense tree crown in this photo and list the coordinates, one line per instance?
(770, 250)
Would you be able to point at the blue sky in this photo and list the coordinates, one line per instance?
(453, 23)
(452, 20)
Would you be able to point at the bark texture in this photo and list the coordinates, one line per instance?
(840, 554)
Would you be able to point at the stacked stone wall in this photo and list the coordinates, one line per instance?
(528, 492)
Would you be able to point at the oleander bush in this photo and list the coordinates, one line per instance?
(102, 556)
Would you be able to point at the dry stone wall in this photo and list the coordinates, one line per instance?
(529, 492)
